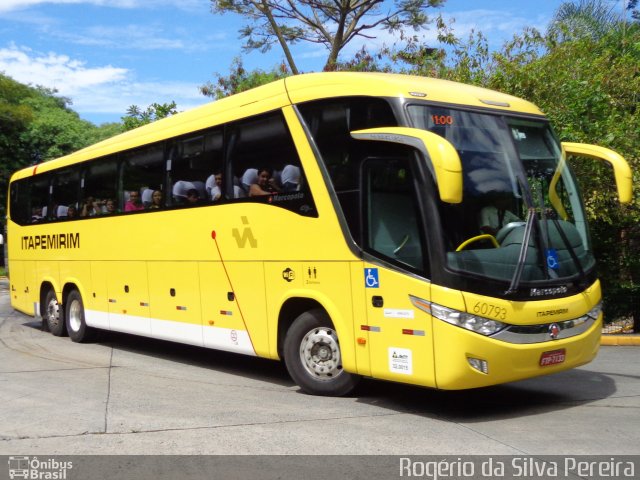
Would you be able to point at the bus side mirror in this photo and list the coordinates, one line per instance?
(443, 159)
(621, 169)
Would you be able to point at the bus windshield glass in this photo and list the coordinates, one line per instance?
(521, 219)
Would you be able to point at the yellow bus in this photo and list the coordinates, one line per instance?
(396, 227)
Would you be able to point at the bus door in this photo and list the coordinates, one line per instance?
(399, 334)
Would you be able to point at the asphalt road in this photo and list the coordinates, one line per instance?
(129, 395)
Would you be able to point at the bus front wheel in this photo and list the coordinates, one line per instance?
(74, 314)
(54, 315)
(313, 358)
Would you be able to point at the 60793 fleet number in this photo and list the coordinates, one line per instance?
(490, 311)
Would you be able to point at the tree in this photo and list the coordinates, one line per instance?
(55, 130)
(332, 23)
(240, 80)
(137, 117)
(573, 20)
(104, 130)
(37, 125)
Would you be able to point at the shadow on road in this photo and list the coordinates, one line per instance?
(527, 397)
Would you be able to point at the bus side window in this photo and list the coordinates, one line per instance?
(66, 189)
(330, 123)
(21, 209)
(195, 162)
(143, 171)
(265, 166)
(100, 188)
(39, 199)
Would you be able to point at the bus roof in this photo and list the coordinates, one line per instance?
(302, 88)
(294, 89)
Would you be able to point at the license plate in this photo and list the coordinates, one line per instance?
(553, 357)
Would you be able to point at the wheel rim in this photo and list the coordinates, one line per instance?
(320, 354)
(75, 316)
(53, 313)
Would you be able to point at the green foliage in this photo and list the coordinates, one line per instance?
(240, 80)
(36, 125)
(104, 131)
(137, 117)
(55, 129)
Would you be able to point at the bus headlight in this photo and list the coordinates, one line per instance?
(481, 325)
(595, 311)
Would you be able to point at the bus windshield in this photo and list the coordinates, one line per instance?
(521, 219)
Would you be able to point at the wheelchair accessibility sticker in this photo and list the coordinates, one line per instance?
(552, 259)
(371, 278)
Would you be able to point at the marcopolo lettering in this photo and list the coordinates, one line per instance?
(51, 242)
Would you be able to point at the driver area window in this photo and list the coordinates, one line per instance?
(393, 227)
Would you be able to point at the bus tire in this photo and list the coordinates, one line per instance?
(313, 358)
(74, 315)
(54, 315)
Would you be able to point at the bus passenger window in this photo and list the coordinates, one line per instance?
(66, 191)
(196, 161)
(39, 199)
(100, 185)
(143, 171)
(265, 165)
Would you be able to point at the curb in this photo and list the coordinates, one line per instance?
(620, 340)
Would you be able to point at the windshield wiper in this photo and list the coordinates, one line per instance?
(526, 237)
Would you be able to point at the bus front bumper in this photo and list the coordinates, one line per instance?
(464, 359)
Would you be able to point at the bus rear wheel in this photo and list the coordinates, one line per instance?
(54, 315)
(74, 314)
(313, 358)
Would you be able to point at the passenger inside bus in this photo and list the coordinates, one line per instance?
(91, 207)
(110, 206)
(265, 183)
(213, 186)
(72, 212)
(134, 203)
(36, 214)
(192, 197)
(156, 200)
